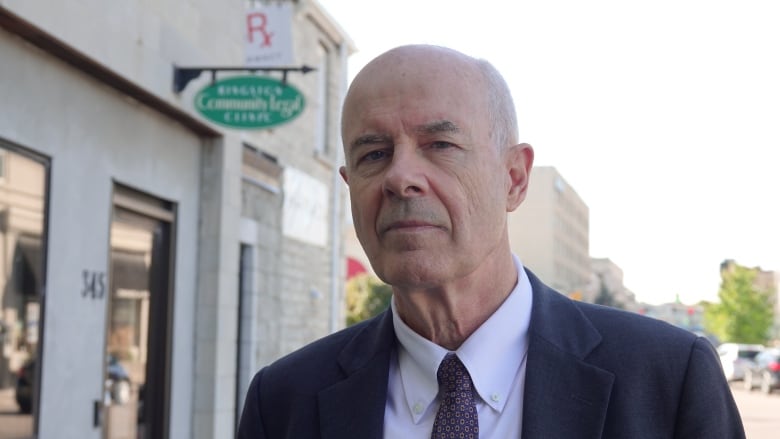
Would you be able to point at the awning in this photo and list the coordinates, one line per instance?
(354, 267)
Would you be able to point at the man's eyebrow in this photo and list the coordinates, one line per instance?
(440, 126)
(370, 139)
(436, 127)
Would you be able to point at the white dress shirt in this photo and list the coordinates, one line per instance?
(494, 355)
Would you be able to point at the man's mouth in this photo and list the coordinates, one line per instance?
(408, 225)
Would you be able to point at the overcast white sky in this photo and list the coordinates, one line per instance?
(663, 115)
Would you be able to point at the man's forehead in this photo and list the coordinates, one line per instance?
(418, 90)
(420, 56)
(415, 67)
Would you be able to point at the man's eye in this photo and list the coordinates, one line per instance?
(441, 145)
(374, 156)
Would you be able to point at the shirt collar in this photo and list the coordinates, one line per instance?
(493, 354)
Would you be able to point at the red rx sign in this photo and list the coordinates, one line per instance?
(268, 37)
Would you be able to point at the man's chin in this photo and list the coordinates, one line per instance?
(410, 275)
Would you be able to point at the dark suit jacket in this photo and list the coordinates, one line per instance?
(592, 372)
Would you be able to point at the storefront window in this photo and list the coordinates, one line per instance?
(22, 279)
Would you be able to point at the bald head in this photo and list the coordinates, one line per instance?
(422, 66)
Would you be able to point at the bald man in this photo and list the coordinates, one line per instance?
(473, 345)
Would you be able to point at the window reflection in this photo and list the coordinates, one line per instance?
(138, 321)
(22, 203)
(128, 324)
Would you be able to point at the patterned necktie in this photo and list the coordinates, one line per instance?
(457, 415)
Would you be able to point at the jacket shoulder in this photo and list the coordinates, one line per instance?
(285, 398)
(328, 359)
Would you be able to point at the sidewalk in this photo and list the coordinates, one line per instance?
(13, 425)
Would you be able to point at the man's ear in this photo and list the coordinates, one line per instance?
(520, 160)
(343, 172)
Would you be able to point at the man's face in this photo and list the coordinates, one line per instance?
(428, 188)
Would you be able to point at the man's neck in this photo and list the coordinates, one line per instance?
(449, 314)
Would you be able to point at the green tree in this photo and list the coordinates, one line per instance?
(367, 296)
(744, 313)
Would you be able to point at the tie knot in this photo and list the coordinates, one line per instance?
(453, 376)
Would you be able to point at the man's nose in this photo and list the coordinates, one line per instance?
(405, 176)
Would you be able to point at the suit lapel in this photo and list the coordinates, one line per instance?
(564, 395)
(355, 406)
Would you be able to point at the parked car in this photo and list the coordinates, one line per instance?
(764, 372)
(117, 384)
(735, 358)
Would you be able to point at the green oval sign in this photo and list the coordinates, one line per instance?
(249, 102)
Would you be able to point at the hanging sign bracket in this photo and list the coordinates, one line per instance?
(183, 75)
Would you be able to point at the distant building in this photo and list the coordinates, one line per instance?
(688, 317)
(549, 232)
(606, 285)
(765, 279)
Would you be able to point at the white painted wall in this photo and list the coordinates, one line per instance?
(95, 136)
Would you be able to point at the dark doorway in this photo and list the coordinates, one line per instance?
(137, 355)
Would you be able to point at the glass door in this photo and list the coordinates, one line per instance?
(138, 322)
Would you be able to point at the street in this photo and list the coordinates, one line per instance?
(760, 413)
(13, 425)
